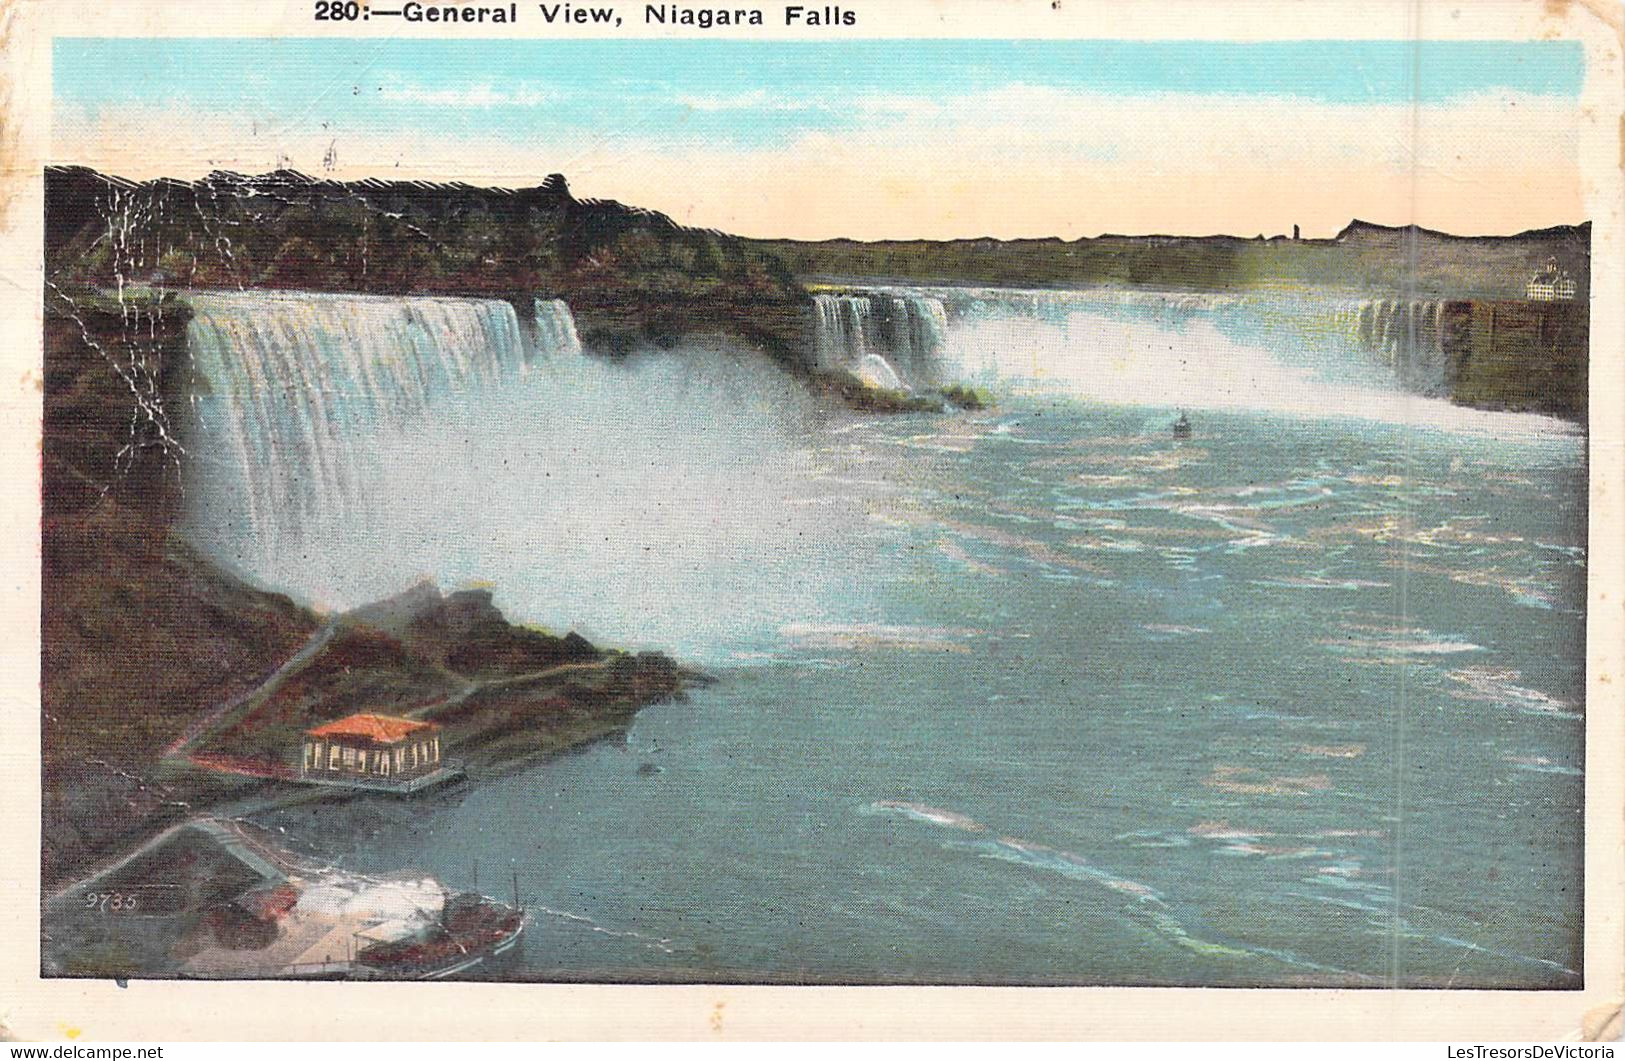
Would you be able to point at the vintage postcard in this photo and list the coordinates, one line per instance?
(568, 503)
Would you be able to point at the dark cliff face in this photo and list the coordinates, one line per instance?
(121, 593)
(110, 370)
(1519, 355)
(467, 634)
(631, 275)
(144, 640)
(138, 632)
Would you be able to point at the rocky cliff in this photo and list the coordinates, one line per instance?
(630, 275)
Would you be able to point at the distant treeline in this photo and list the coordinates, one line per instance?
(1409, 261)
(288, 230)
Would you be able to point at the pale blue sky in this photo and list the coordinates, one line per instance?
(872, 138)
(749, 93)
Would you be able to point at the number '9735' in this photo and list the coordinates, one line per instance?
(142, 899)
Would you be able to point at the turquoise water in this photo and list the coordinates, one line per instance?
(1297, 701)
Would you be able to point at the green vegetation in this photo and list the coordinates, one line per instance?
(287, 230)
(1536, 359)
(511, 722)
(1120, 261)
(504, 693)
(963, 396)
(143, 638)
(859, 395)
(1407, 261)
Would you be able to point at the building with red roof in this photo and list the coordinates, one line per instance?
(371, 747)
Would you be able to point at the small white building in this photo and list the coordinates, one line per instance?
(1551, 284)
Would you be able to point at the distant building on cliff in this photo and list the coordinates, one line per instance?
(376, 752)
(1551, 284)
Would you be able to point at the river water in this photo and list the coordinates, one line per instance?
(1030, 695)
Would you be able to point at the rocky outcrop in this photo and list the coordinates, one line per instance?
(1519, 355)
(467, 634)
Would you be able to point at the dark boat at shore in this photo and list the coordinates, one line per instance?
(1182, 426)
(472, 928)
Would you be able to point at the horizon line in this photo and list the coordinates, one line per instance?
(289, 173)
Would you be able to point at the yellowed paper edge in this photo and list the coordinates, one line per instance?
(34, 1009)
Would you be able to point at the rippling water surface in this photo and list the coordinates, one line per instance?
(1297, 701)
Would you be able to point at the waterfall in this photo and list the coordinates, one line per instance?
(919, 324)
(1304, 353)
(902, 332)
(556, 329)
(1407, 335)
(844, 331)
(876, 371)
(290, 388)
(342, 448)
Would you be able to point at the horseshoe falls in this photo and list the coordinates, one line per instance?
(1314, 356)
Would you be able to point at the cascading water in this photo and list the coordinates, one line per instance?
(918, 325)
(876, 371)
(843, 334)
(1285, 352)
(342, 448)
(885, 340)
(556, 329)
(963, 616)
(1122, 347)
(292, 385)
(1408, 336)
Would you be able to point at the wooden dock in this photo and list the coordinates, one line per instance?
(451, 770)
